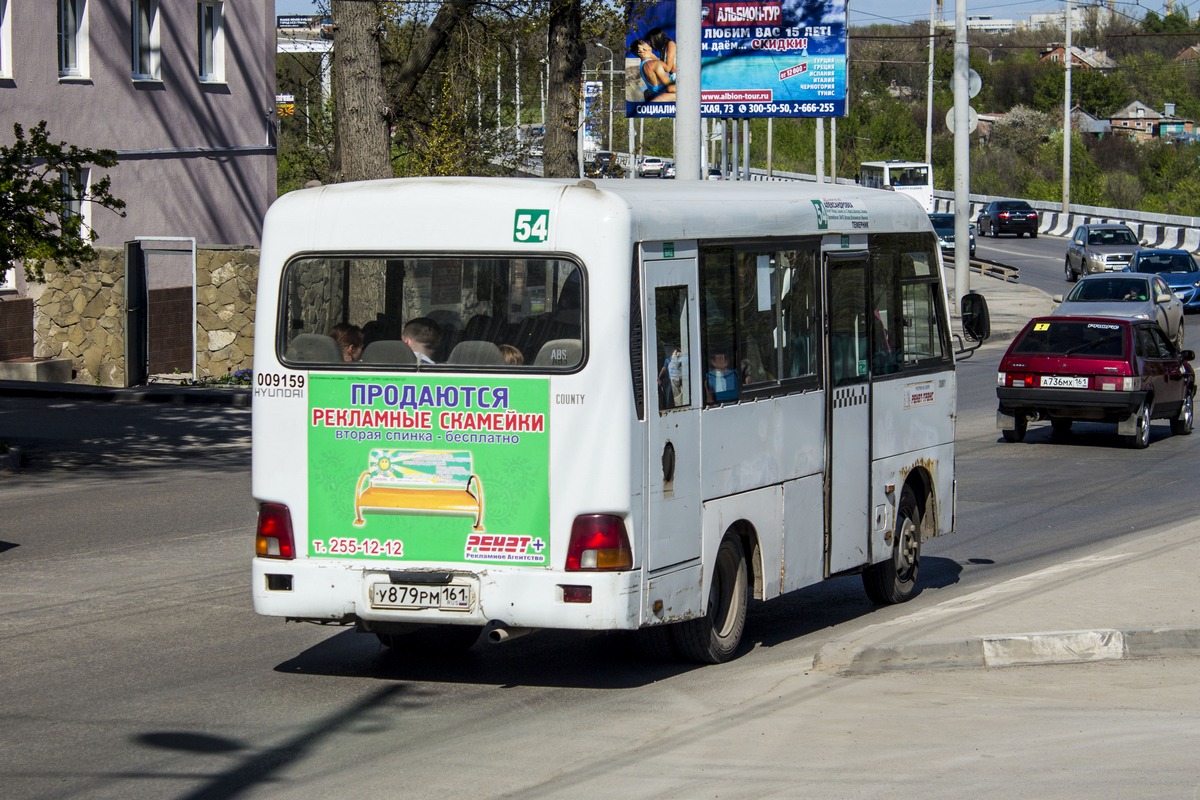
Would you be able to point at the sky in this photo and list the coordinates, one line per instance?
(867, 12)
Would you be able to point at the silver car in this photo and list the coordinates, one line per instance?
(1129, 295)
(1100, 247)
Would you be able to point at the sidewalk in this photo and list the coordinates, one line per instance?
(1138, 600)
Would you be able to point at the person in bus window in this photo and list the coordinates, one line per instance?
(670, 379)
(422, 335)
(349, 340)
(511, 355)
(720, 382)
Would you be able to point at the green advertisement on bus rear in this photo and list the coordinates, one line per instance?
(419, 468)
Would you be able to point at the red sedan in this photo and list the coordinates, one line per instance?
(1095, 369)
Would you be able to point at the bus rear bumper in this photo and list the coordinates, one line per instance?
(329, 591)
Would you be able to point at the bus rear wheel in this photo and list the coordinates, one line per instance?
(714, 638)
(894, 580)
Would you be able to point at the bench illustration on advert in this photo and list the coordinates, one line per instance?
(436, 482)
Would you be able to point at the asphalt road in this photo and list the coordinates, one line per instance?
(1040, 260)
(134, 667)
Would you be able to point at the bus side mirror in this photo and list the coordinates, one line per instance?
(976, 323)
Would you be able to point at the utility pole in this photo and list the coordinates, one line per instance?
(962, 154)
(687, 102)
(1066, 170)
(933, 4)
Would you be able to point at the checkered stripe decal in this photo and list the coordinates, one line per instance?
(850, 396)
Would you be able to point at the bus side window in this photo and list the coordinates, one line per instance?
(673, 347)
(718, 325)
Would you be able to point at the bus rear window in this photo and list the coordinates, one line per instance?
(405, 312)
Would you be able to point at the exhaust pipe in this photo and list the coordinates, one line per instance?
(498, 633)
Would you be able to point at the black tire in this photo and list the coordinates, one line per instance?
(1062, 427)
(1020, 234)
(1182, 424)
(1070, 272)
(1179, 336)
(436, 640)
(1017, 434)
(714, 638)
(1033, 234)
(1141, 439)
(895, 580)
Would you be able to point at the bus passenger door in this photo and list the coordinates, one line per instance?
(671, 363)
(848, 436)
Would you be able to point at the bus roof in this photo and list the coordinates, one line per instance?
(466, 214)
(894, 163)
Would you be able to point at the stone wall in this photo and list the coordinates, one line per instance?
(79, 313)
(226, 280)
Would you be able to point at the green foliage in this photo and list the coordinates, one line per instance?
(448, 145)
(1098, 93)
(35, 225)
(1175, 22)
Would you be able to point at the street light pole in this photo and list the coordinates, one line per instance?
(610, 93)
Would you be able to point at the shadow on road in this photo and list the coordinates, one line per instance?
(619, 660)
(56, 434)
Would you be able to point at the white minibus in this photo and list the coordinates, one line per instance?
(501, 405)
(910, 178)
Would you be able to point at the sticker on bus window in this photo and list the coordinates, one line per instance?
(531, 225)
(435, 469)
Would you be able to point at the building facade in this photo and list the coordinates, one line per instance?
(182, 90)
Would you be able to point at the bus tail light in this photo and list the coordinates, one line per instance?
(1018, 379)
(274, 537)
(598, 542)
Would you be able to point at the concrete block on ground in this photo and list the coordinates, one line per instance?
(43, 370)
(1064, 647)
(1159, 642)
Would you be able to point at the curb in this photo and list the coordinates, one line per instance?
(1061, 647)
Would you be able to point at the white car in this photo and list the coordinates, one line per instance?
(1124, 294)
(651, 165)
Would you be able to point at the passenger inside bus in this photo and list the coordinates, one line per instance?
(422, 335)
(349, 340)
(720, 382)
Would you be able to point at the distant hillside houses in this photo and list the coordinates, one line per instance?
(1081, 57)
(1142, 123)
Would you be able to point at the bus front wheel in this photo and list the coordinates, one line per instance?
(714, 638)
(894, 580)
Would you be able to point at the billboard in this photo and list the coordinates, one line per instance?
(775, 58)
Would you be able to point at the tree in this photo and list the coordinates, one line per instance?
(36, 224)
(566, 66)
(363, 119)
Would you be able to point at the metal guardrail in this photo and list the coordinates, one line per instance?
(1005, 272)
